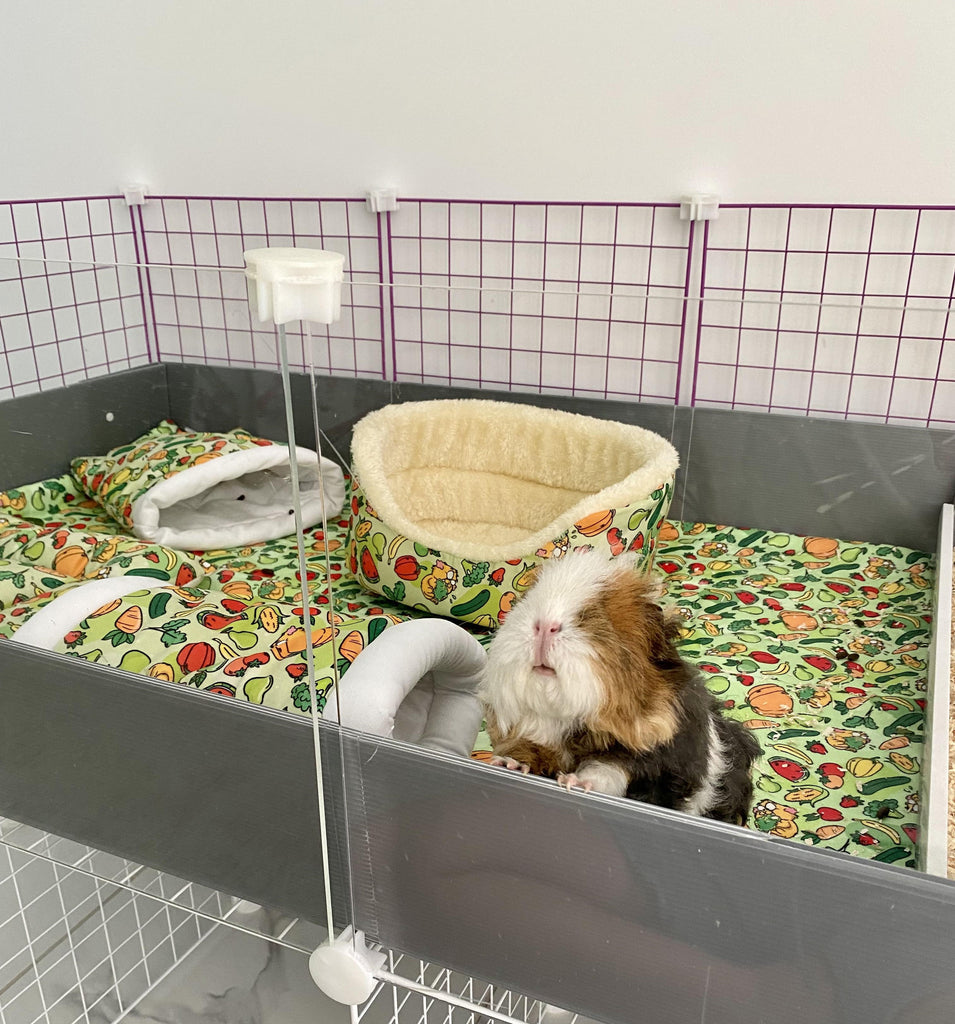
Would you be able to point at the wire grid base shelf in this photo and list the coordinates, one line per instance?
(84, 935)
(412, 991)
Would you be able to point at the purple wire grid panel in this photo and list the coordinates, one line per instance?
(829, 311)
(61, 322)
(559, 298)
(203, 315)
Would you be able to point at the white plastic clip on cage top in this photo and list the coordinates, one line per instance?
(700, 206)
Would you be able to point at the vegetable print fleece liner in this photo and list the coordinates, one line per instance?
(819, 646)
(227, 621)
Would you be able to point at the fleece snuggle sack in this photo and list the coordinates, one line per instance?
(195, 491)
(455, 502)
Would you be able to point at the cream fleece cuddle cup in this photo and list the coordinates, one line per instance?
(456, 501)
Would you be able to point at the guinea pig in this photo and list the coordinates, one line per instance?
(583, 683)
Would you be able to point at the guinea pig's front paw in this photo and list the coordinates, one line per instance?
(571, 781)
(510, 764)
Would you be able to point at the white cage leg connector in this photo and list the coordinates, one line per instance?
(345, 968)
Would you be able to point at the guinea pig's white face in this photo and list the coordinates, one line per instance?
(542, 667)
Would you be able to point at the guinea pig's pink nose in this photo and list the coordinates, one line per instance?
(544, 635)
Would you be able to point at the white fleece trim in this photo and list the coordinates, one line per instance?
(493, 442)
(416, 682)
(47, 627)
(197, 508)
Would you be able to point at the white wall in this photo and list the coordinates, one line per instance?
(759, 100)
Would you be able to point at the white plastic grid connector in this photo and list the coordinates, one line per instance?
(700, 206)
(345, 969)
(135, 195)
(381, 200)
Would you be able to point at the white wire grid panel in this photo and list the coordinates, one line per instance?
(417, 992)
(85, 935)
(65, 320)
(830, 311)
(201, 313)
(558, 298)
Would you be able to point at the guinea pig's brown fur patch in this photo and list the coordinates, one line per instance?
(540, 759)
(636, 663)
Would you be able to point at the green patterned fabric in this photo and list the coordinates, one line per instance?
(121, 476)
(441, 583)
(818, 646)
(201, 636)
(230, 621)
(53, 537)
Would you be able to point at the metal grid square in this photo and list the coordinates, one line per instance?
(197, 287)
(63, 317)
(829, 311)
(84, 934)
(558, 298)
(72, 947)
